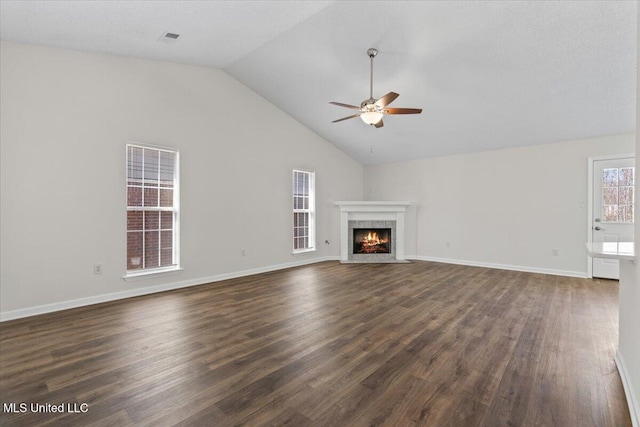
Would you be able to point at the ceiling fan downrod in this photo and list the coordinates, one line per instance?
(372, 54)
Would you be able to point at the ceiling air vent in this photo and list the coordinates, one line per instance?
(169, 37)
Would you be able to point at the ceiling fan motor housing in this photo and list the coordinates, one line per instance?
(370, 105)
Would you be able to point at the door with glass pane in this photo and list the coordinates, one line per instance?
(613, 215)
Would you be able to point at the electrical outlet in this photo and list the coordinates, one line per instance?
(97, 269)
(448, 244)
(244, 252)
(556, 252)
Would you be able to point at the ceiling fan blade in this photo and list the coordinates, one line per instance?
(402, 110)
(379, 124)
(387, 99)
(340, 104)
(346, 118)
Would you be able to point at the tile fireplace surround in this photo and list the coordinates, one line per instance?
(358, 214)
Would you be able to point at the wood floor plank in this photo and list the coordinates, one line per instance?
(328, 344)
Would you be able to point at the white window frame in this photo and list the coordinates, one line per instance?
(176, 266)
(310, 210)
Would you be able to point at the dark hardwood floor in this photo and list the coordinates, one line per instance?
(329, 345)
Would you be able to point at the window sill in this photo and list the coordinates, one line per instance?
(303, 251)
(146, 274)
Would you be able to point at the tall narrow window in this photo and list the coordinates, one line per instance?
(617, 194)
(152, 209)
(303, 211)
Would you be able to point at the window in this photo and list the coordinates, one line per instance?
(303, 211)
(152, 209)
(617, 195)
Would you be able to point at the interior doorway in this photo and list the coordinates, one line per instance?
(611, 217)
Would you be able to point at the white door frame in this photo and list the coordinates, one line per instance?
(590, 161)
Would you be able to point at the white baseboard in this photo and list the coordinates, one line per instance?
(81, 302)
(632, 400)
(522, 268)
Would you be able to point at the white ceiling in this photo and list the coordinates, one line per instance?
(487, 74)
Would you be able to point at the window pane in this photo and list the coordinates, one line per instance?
(298, 189)
(166, 248)
(626, 213)
(134, 251)
(134, 220)
(134, 196)
(150, 197)
(166, 197)
(305, 184)
(151, 220)
(610, 214)
(626, 196)
(151, 158)
(167, 161)
(610, 195)
(166, 220)
(134, 165)
(626, 176)
(610, 177)
(151, 249)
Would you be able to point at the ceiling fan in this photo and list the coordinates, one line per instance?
(372, 110)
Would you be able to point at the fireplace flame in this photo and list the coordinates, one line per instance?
(372, 239)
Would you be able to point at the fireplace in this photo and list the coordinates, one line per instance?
(385, 219)
(372, 240)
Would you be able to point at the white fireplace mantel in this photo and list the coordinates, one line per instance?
(367, 206)
(371, 210)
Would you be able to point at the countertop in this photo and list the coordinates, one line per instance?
(612, 250)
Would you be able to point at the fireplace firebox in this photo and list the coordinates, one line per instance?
(371, 240)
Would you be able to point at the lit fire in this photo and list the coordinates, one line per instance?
(372, 239)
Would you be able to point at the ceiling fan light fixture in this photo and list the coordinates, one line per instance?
(372, 110)
(371, 117)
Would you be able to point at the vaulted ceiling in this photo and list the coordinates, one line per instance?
(487, 74)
